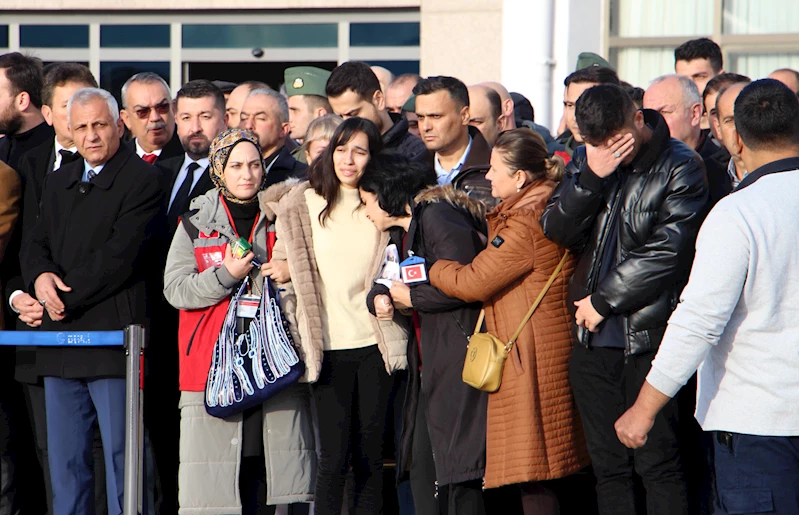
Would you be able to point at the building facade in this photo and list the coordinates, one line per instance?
(528, 45)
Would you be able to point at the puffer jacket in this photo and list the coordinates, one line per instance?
(295, 243)
(210, 447)
(658, 204)
(533, 430)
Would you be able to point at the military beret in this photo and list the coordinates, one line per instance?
(587, 59)
(410, 104)
(306, 80)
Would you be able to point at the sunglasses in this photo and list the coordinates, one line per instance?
(144, 112)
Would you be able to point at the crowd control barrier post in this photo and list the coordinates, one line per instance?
(132, 339)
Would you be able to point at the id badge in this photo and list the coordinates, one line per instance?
(413, 271)
(248, 306)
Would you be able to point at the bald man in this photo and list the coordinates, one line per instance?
(384, 77)
(508, 120)
(399, 91)
(485, 112)
(677, 99)
(788, 77)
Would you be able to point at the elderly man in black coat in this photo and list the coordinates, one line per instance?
(86, 263)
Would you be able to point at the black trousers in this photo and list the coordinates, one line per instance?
(351, 399)
(604, 387)
(430, 498)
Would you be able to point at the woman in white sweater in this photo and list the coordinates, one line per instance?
(334, 253)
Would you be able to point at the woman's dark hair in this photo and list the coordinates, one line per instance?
(395, 180)
(524, 149)
(322, 174)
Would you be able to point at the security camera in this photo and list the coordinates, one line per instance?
(257, 52)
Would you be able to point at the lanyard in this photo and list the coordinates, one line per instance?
(233, 225)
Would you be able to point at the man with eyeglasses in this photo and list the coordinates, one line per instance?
(147, 113)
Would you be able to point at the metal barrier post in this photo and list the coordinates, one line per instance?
(134, 341)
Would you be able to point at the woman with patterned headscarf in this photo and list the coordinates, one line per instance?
(224, 463)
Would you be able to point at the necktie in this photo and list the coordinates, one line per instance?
(181, 201)
(150, 158)
(91, 174)
(68, 157)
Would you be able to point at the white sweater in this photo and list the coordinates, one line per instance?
(740, 313)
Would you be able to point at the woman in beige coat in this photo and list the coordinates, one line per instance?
(334, 253)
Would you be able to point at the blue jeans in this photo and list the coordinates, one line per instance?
(756, 474)
(73, 406)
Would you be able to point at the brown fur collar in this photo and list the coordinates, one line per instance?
(456, 198)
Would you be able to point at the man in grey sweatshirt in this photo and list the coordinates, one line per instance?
(738, 321)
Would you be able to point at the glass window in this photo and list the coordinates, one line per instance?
(306, 35)
(134, 36)
(761, 16)
(384, 34)
(398, 67)
(639, 66)
(114, 74)
(760, 65)
(54, 36)
(3, 36)
(653, 18)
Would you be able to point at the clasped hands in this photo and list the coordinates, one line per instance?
(400, 298)
(47, 287)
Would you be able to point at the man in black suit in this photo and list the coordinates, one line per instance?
(61, 81)
(22, 123)
(266, 113)
(88, 262)
(147, 113)
(200, 117)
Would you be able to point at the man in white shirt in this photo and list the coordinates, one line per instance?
(738, 319)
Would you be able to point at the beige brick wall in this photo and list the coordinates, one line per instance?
(80, 5)
(462, 38)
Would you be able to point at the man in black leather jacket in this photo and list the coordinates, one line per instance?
(630, 205)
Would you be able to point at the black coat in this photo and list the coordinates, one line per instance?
(173, 148)
(171, 168)
(456, 412)
(660, 202)
(98, 238)
(12, 150)
(716, 160)
(34, 167)
(398, 139)
(284, 167)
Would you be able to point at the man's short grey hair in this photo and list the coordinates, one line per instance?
(690, 93)
(144, 78)
(86, 95)
(282, 104)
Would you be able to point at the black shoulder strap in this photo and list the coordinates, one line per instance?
(190, 228)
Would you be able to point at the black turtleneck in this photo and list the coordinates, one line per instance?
(14, 145)
(243, 217)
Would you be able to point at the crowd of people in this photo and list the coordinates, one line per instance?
(391, 218)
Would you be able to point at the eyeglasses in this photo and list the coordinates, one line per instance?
(144, 112)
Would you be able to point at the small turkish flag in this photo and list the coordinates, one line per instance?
(414, 273)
